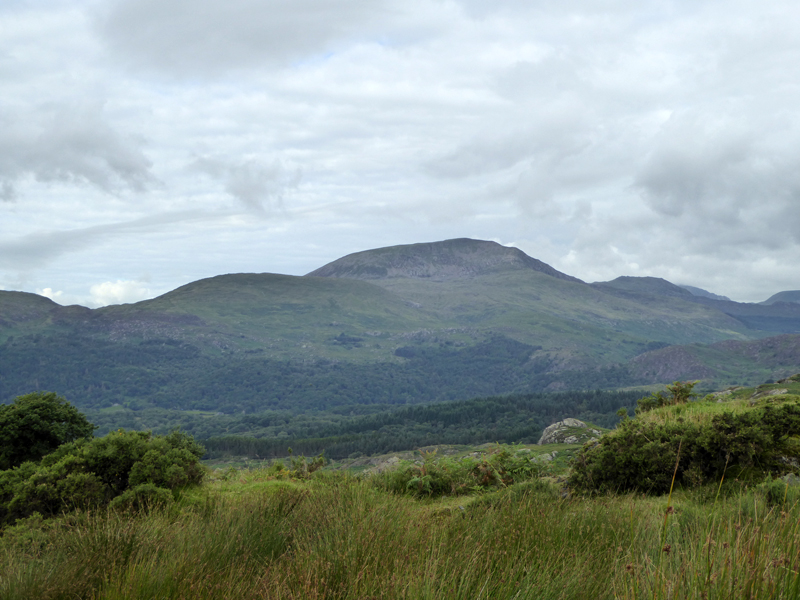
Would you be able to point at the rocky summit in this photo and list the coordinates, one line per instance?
(451, 259)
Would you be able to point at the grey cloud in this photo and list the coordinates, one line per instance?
(548, 134)
(714, 169)
(41, 247)
(208, 36)
(257, 185)
(72, 144)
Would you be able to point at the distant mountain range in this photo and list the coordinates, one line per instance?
(399, 325)
(792, 296)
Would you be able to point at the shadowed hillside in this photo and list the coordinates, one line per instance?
(407, 324)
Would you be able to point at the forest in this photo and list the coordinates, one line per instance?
(517, 418)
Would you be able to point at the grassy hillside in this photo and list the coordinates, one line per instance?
(491, 521)
(280, 316)
(577, 322)
(255, 534)
(393, 326)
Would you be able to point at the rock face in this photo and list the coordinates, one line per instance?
(568, 431)
(439, 261)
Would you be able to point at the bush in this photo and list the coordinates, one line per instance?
(680, 392)
(643, 456)
(36, 424)
(90, 473)
(442, 476)
(142, 498)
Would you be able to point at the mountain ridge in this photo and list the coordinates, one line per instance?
(788, 296)
(450, 259)
(404, 324)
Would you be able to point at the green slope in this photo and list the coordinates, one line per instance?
(579, 323)
(279, 316)
(722, 363)
(400, 325)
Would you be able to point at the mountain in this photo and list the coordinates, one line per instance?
(731, 361)
(788, 296)
(638, 287)
(400, 325)
(478, 287)
(703, 293)
(439, 261)
(780, 316)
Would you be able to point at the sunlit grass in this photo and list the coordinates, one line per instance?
(341, 538)
(703, 410)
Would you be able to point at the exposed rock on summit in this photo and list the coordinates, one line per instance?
(451, 259)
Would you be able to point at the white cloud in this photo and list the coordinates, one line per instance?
(49, 293)
(118, 292)
(605, 138)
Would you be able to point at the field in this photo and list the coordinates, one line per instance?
(444, 522)
(253, 534)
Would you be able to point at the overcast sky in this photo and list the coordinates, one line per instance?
(145, 144)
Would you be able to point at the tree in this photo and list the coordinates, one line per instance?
(36, 424)
(680, 392)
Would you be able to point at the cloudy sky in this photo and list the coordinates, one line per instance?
(145, 144)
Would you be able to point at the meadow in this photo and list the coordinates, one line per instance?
(488, 522)
(330, 535)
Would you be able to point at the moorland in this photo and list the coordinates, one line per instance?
(704, 503)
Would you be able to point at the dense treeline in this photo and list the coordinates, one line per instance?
(508, 419)
(168, 374)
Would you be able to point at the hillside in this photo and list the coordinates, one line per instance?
(696, 291)
(441, 522)
(439, 261)
(402, 325)
(779, 314)
(792, 296)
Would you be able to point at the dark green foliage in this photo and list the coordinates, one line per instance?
(505, 419)
(169, 375)
(143, 497)
(680, 392)
(35, 424)
(642, 457)
(780, 492)
(90, 473)
(441, 476)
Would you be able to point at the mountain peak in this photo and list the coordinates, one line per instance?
(644, 285)
(790, 296)
(459, 258)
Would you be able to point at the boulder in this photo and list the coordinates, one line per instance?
(568, 431)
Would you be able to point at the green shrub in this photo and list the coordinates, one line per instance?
(90, 473)
(441, 476)
(680, 392)
(142, 498)
(643, 456)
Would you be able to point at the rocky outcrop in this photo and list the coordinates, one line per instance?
(569, 431)
(439, 261)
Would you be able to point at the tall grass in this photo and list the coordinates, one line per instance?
(339, 538)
